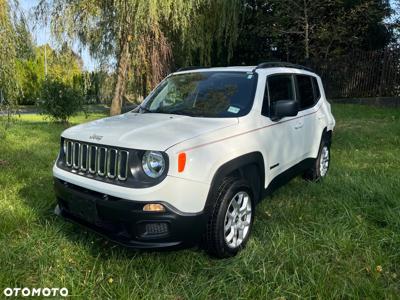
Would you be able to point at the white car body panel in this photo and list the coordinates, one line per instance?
(186, 196)
(145, 131)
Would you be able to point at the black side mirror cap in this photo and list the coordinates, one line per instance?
(284, 108)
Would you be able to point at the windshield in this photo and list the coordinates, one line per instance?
(204, 94)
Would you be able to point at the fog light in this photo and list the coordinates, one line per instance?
(156, 228)
(154, 207)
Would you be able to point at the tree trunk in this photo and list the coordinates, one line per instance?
(306, 32)
(122, 70)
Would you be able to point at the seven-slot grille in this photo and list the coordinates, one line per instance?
(96, 160)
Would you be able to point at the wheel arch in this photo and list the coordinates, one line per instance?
(249, 166)
(327, 135)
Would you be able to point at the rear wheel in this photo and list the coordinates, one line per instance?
(230, 223)
(321, 165)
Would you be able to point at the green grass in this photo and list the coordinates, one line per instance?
(309, 240)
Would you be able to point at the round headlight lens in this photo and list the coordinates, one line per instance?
(153, 163)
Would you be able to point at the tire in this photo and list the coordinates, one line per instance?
(321, 165)
(233, 205)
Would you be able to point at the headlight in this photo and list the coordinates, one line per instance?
(153, 164)
(64, 143)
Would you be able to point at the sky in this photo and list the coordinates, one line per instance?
(42, 36)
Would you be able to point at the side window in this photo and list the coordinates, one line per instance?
(317, 93)
(306, 91)
(280, 87)
(277, 87)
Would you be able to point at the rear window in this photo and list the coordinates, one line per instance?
(317, 93)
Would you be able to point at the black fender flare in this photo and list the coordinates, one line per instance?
(327, 135)
(237, 164)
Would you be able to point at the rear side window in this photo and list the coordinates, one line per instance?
(306, 91)
(317, 93)
(280, 87)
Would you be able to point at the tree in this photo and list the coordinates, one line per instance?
(258, 36)
(25, 48)
(63, 65)
(8, 55)
(352, 25)
(59, 100)
(296, 18)
(212, 35)
(299, 30)
(138, 34)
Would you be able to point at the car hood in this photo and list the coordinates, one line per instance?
(148, 131)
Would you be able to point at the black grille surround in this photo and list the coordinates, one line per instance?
(109, 164)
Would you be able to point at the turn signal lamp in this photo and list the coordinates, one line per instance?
(181, 162)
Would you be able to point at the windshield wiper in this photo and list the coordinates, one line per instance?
(185, 113)
(171, 112)
(144, 109)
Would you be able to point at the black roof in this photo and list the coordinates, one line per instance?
(277, 64)
(264, 65)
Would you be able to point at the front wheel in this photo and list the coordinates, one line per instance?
(321, 165)
(231, 220)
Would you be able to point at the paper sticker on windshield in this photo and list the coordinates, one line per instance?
(233, 109)
(250, 76)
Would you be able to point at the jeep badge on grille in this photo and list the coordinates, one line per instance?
(96, 137)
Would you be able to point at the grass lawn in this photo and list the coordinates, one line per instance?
(337, 239)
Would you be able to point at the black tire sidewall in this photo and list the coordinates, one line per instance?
(324, 143)
(233, 189)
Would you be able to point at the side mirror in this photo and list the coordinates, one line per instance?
(284, 108)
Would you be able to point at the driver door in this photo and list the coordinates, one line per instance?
(283, 139)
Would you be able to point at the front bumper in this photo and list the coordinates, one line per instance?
(124, 221)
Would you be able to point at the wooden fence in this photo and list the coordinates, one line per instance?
(361, 74)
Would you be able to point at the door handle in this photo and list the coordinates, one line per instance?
(298, 125)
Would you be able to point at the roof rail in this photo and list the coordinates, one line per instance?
(281, 64)
(190, 68)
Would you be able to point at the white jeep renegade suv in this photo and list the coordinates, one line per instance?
(191, 163)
